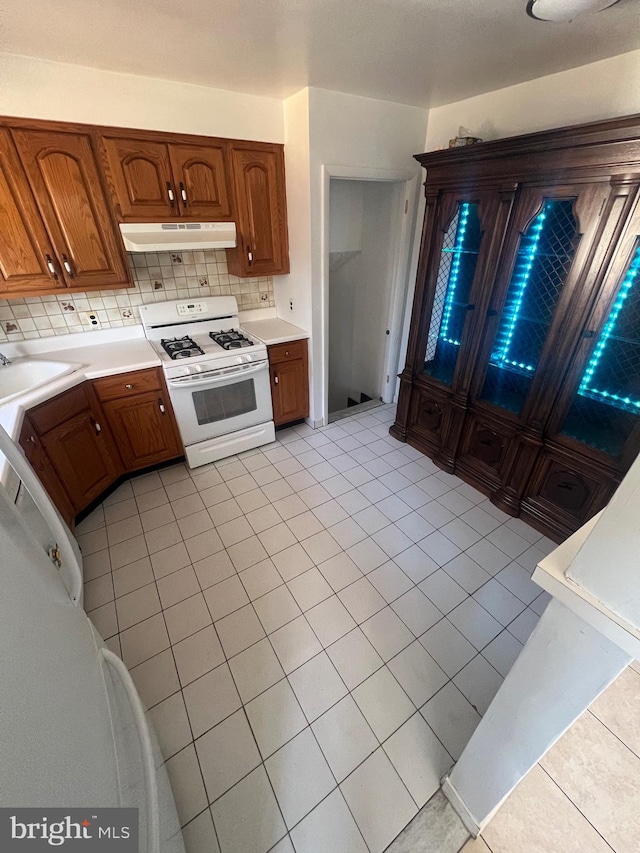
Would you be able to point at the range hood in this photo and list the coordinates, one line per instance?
(177, 236)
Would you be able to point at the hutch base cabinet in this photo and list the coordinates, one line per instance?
(523, 363)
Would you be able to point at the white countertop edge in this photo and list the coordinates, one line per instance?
(550, 574)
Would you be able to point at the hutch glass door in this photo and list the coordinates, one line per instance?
(606, 407)
(456, 271)
(543, 260)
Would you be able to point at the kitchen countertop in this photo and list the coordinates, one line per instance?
(274, 331)
(95, 355)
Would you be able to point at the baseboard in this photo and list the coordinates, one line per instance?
(460, 807)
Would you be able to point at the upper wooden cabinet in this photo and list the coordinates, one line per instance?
(26, 254)
(259, 182)
(160, 180)
(201, 174)
(64, 187)
(63, 173)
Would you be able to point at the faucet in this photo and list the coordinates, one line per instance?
(4, 360)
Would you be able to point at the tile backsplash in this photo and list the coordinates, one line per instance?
(158, 276)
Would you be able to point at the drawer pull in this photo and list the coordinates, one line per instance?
(287, 352)
(128, 386)
(67, 266)
(51, 268)
(161, 406)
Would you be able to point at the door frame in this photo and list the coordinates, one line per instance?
(401, 263)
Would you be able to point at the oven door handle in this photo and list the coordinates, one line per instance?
(216, 378)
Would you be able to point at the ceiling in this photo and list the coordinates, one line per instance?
(421, 52)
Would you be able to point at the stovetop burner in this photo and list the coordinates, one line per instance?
(180, 347)
(230, 340)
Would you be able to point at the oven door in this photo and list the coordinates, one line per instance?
(222, 401)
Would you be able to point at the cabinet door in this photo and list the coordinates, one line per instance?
(144, 429)
(598, 412)
(63, 173)
(290, 391)
(531, 327)
(35, 453)
(263, 244)
(461, 242)
(201, 175)
(27, 260)
(81, 452)
(141, 175)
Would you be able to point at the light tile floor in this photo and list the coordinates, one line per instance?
(316, 627)
(584, 794)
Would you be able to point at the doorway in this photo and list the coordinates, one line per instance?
(365, 224)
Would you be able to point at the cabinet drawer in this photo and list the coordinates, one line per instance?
(128, 384)
(287, 352)
(51, 414)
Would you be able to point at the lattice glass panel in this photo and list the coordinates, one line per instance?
(457, 268)
(544, 258)
(607, 405)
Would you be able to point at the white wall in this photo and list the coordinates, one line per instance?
(607, 563)
(345, 217)
(599, 90)
(297, 286)
(38, 88)
(364, 134)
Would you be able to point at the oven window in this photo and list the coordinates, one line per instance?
(230, 401)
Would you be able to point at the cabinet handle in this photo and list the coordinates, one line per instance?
(161, 406)
(97, 427)
(67, 266)
(492, 312)
(128, 386)
(32, 439)
(588, 333)
(469, 306)
(51, 267)
(170, 194)
(276, 380)
(183, 193)
(249, 255)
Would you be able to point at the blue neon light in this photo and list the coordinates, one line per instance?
(586, 389)
(453, 275)
(522, 280)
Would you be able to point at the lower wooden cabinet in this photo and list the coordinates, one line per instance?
(41, 464)
(78, 445)
(288, 366)
(140, 416)
(80, 442)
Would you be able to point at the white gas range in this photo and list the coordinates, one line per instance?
(217, 376)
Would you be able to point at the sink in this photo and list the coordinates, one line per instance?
(25, 374)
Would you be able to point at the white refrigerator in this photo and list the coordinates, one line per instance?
(73, 731)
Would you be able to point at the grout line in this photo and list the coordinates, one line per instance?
(616, 736)
(576, 807)
(324, 649)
